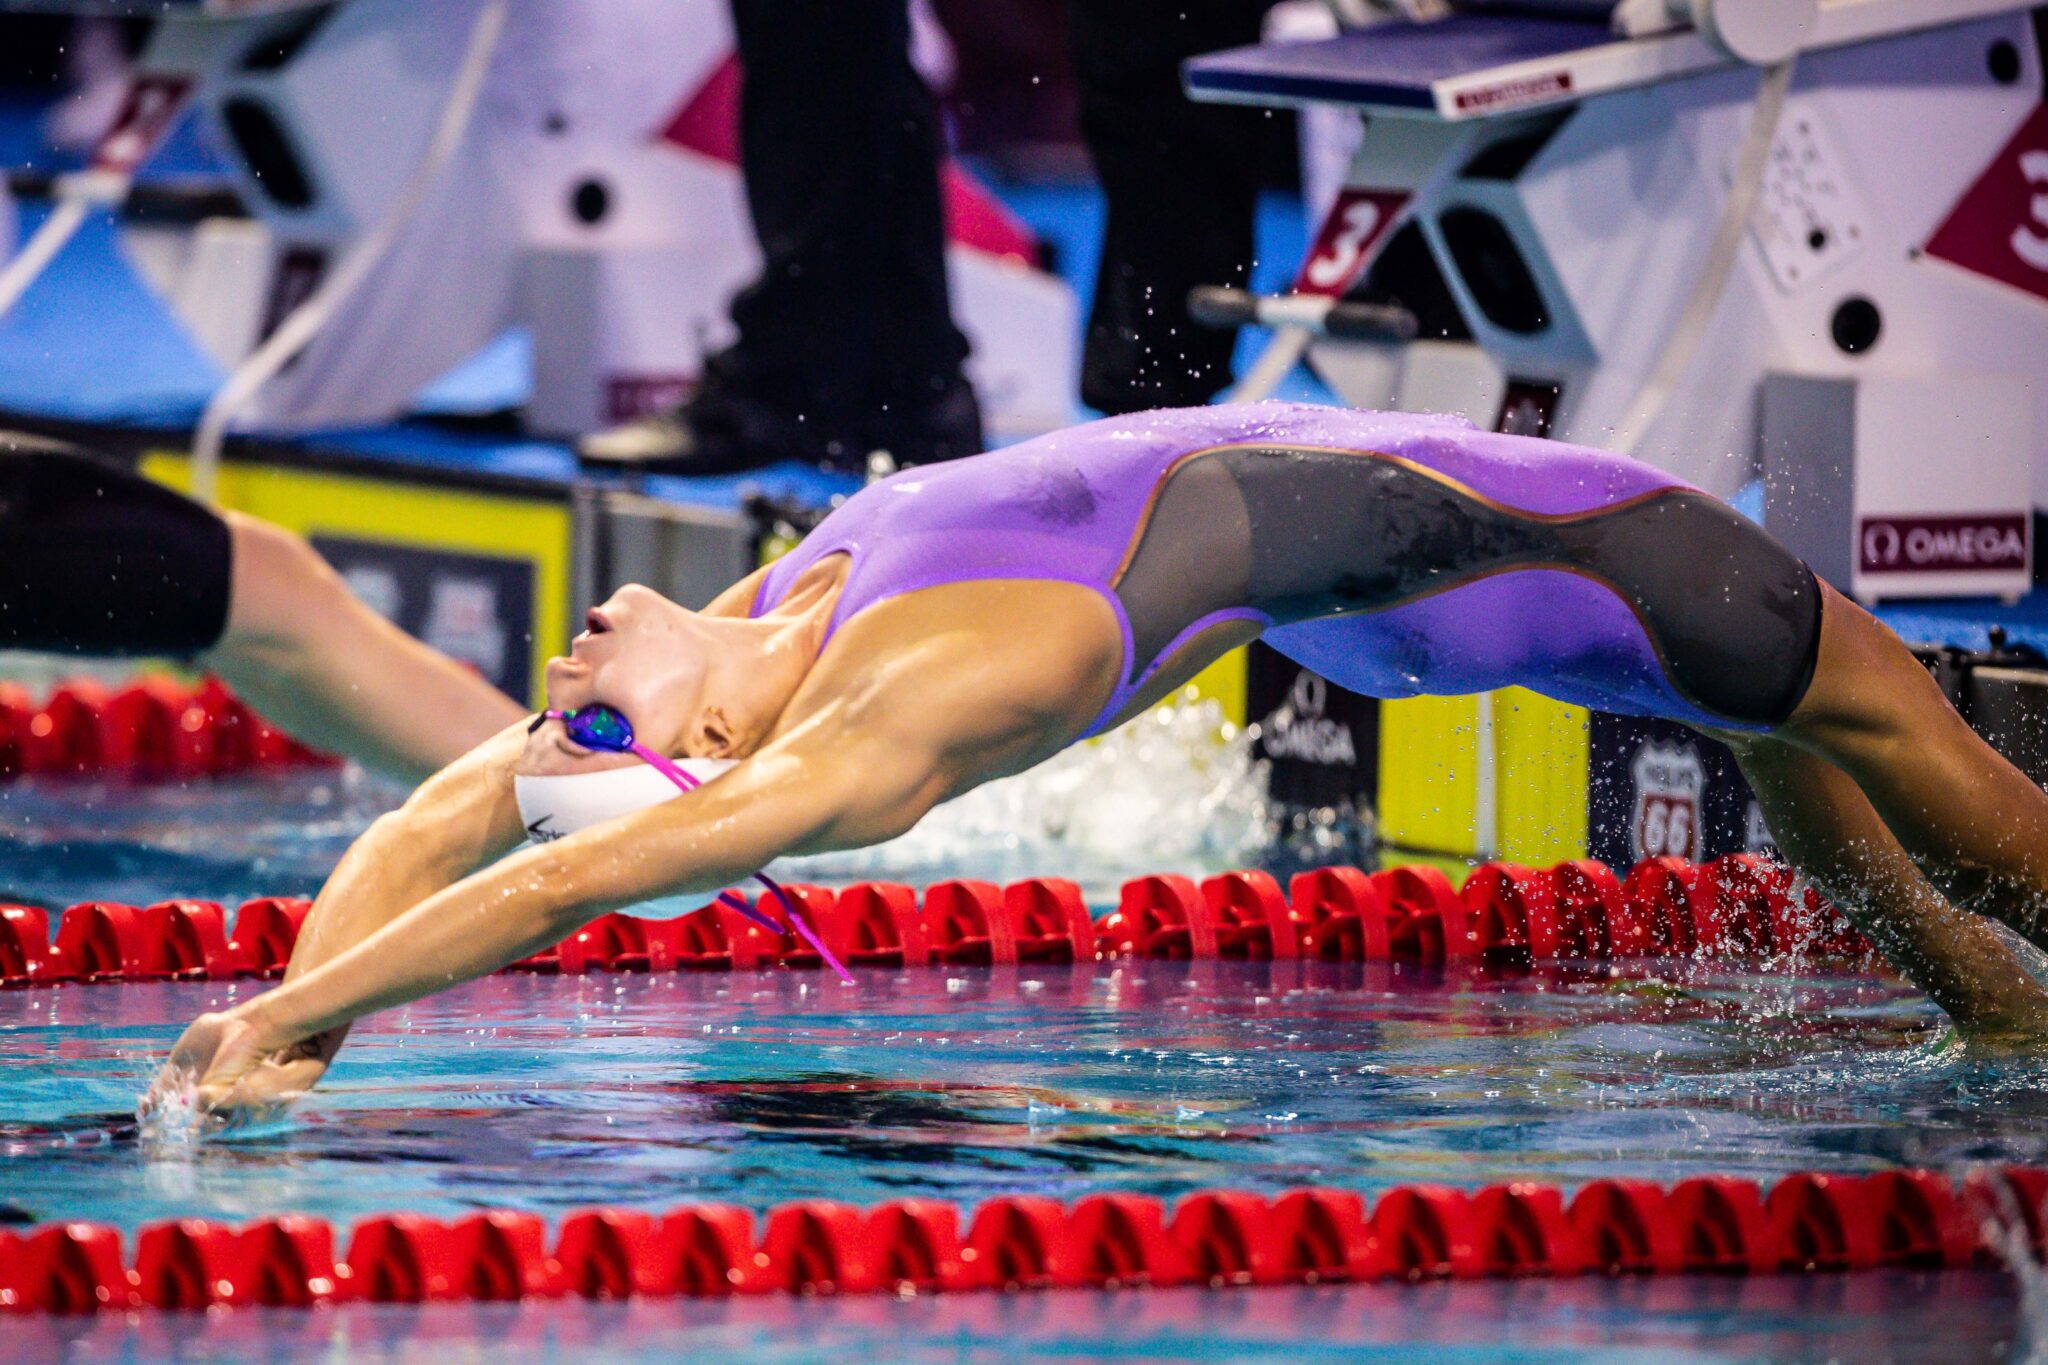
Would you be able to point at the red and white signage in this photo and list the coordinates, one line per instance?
(1537, 89)
(1993, 542)
(154, 101)
(1999, 227)
(1670, 783)
(627, 396)
(1358, 221)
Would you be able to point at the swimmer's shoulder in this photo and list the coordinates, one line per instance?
(993, 653)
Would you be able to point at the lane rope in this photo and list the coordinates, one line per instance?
(155, 729)
(1804, 1223)
(1741, 908)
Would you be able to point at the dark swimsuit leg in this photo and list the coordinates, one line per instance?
(1697, 613)
(95, 559)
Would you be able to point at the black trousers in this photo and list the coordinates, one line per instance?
(849, 322)
(1181, 180)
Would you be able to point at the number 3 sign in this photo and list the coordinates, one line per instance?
(2000, 226)
(1350, 236)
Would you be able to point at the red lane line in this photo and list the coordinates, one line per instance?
(1505, 915)
(1218, 1238)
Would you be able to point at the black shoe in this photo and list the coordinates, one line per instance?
(713, 433)
(947, 428)
(707, 434)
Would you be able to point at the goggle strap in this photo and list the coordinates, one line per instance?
(661, 764)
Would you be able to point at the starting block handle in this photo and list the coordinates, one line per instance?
(1222, 306)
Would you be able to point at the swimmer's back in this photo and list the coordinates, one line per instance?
(1067, 506)
(1193, 523)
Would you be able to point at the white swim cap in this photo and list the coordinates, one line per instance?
(551, 807)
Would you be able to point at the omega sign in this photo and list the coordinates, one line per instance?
(1302, 729)
(1994, 542)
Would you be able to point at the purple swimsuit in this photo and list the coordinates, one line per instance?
(1395, 554)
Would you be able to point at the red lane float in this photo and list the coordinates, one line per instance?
(24, 945)
(1159, 917)
(1624, 1227)
(1416, 901)
(966, 922)
(1739, 907)
(717, 938)
(1019, 1242)
(186, 941)
(1340, 916)
(1050, 920)
(876, 924)
(264, 933)
(99, 941)
(1806, 1223)
(153, 729)
(1659, 892)
(1252, 919)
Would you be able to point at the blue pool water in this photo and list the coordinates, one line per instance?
(1946, 1319)
(552, 1094)
(1157, 1078)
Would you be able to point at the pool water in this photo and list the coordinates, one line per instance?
(1150, 1077)
(552, 1094)
(1954, 1318)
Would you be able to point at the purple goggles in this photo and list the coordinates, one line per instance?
(606, 730)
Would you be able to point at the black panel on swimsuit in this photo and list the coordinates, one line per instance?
(1302, 534)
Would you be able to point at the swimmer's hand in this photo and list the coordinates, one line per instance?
(232, 1072)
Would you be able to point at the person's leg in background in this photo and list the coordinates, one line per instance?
(314, 661)
(96, 560)
(846, 340)
(1181, 180)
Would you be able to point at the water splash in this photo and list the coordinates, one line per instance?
(1177, 789)
(2005, 1230)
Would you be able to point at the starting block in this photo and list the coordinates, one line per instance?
(1709, 233)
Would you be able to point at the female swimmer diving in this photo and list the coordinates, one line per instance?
(951, 625)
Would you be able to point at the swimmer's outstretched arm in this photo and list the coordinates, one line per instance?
(773, 804)
(864, 768)
(914, 708)
(457, 820)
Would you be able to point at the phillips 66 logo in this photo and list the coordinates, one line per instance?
(1669, 782)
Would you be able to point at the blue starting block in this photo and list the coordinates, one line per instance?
(1395, 66)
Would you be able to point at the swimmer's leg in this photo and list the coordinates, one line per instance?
(1828, 829)
(312, 659)
(1975, 825)
(97, 560)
